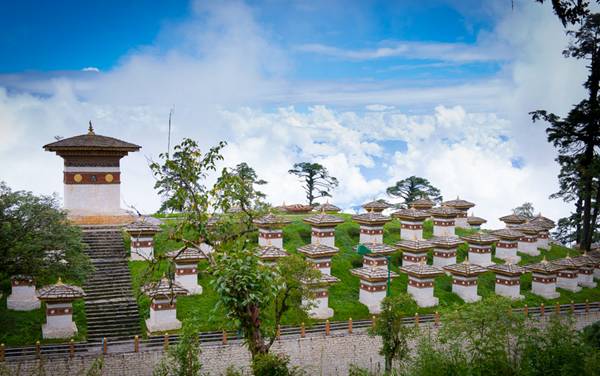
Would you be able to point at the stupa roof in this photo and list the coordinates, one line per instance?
(569, 263)
(444, 212)
(91, 141)
(422, 270)
(187, 253)
(513, 219)
(543, 222)
(59, 292)
(324, 279)
(477, 221)
(528, 229)
(323, 219)
(422, 203)
(507, 234)
(270, 252)
(544, 267)
(164, 289)
(411, 214)
(298, 208)
(587, 259)
(377, 205)
(271, 220)
(379, 248)
(373, 273)
(413, 245)
(479, 238)
(318, 249)
(327, 207)
(465, 269)
(458, 204)
(508, 269)
(143, 224)
(448, 242)
(371, 218)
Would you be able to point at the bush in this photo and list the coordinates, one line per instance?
(273, 365)
(591, 335)
(359, 371)
(356, 261)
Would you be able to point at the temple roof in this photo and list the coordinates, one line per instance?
(187, 253)
(513, 218)
(569, 263)
(422, 270)
(271, 220)
(327, 207)
(589, 260)
(544, 267)
(458, 204)
(465, 268)
(373, 273)
(528, 228)
(298, 208)
(371, 218)
(543, 222)
(164, 289)
(424, 203)
(270, 252)
(323, 219)
(444, 212)
(508, 269)
(91, 141)
(473, 220)
(59, 292)
(507, 234)
(318, 249)
(379, 248)
(143, 224)
(415, 245)
(446, 241)
(324, 279)
(411, 214)
(479, 238)
(377, 205)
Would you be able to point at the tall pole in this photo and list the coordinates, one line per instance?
(387, 292)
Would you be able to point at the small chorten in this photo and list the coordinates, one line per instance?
(422, 204)
(58, 299)
(371, 226)
(186, 261)
(163, 308)
(464, 280)
(568, 276)
(414, 251)
(421, 279)
(508, 280)
(22, 296)
(320, 303)
(376, 206)
(595, 256)
(327, 208)
(270, 230)
(543, 282)
(411, 222)
(513, 220)
(444, 250)
(319, 255)
(545, 225)
(373, 286)
(480, 248)
(585, 277)
(269, 254)
(506, 248)
(462, 207)
(444, 220)
(378, 255)
(323, 228)
(475, 222)
(142, 233)
(528, 242)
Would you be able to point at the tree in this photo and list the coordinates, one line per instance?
(394, 334)
(413, 188)
(183, 358)
(38, 240)
(316, 179)
(525, 210)
(569, 11)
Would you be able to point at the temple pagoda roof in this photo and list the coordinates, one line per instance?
(271, 220)
(371, 218)
(444, 212)
(507, 234)
(376, 205)
(513, 219)
(270, 252)
(473, 220)
(144, 225)
(318, 249)
(458, 204)
(448, 242)
(91, 141)
(418, 245)
(59, 292)
(465, 269)
(544, 267)
(379, 248)
(323, 220)
(324, 279)
(422, 203)
(508, 269)
(187, 254)
(411, 214)
(479, 238)
(589, 260)
(569, 263)
(164, 289)
(422, 270)
(298, 208)
(528, 229)
(372, 273)
(328, 208)
(543, 222)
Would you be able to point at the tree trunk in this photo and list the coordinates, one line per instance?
(388, 364)
(596, 209)
(578, 210)
(256, 342)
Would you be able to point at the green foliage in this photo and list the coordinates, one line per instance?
(273, 365)
(394, 334)
(413, 188)
(355, 370)
(591, 335)
(182, 359)
(37, 239)
(526, 210)
(317, 182)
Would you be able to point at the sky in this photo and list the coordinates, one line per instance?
(374, 91)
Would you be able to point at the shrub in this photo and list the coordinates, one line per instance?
(273, 365)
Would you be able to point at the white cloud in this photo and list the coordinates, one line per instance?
(90, 69)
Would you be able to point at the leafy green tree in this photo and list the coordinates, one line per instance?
(38, 240)
(395, 335)
(317, 182)
(182, 359)
(526, 210)
(413, 188)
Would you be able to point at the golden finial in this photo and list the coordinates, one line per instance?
(466, 262)
(544, 261)
(59, 282)
(91, 129)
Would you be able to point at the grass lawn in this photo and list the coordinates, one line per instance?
(343, 297)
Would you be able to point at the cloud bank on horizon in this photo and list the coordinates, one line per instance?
(229, 76)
